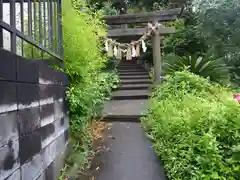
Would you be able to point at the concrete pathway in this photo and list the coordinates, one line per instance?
(128, 153)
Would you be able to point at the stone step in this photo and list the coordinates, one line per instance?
(124, 110)
(132, 66)
(136, 81)
(130, 94)
(128, 64)
(135, 77)
(133, 73)
(134, 86)
(131, 70)
(121, 118)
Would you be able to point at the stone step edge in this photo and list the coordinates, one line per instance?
(131, 77)
(134, 87)
(136, 82)
(121, 118)
(133, 73)
(131, 70)
(131, 97)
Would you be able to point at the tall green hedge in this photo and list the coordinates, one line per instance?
(89, 86)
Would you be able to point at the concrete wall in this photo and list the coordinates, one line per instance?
(33, 119)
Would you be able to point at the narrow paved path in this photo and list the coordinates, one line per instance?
(129, 154)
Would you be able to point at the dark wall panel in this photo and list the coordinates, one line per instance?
(8, 95)
(29, 120)
(27, 71)
(29, 146)
(8, 66)
(33, 118)
(27, 93)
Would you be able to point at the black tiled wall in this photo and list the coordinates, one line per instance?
(33, 119)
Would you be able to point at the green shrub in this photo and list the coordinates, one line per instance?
(108, 9)
(206, 66)
(195, 128)
(82, 49)
(89, 87)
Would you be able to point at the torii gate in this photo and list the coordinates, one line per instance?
(126, 33)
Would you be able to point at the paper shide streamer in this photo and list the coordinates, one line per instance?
(137, 50)
(144, 46)
(129, 53)
(106, 45)
(133, 51)
(115, 51)
(110, 50)
(119, 53)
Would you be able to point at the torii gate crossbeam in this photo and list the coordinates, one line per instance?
(168, 15)
(124, 32)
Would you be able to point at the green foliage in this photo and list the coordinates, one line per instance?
(108, 9)
(212, 28)
(132, 5)
(208, 67)
(149, 5)
(89, 86)
(81, 30)
(195, 128)
(218, 23)
(186, 41)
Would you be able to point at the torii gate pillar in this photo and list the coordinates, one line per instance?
(157, 58)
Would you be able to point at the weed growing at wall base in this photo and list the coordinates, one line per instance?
(195, 128)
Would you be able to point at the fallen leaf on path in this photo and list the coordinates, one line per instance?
(98, 129)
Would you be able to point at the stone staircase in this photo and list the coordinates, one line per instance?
(130, 100)
(128, 154)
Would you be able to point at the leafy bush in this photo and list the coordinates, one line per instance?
(89, 86)
(206, 66)
(212, 27)
(218, 23)
(195, 128)
(186, 41)
(108, 9)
